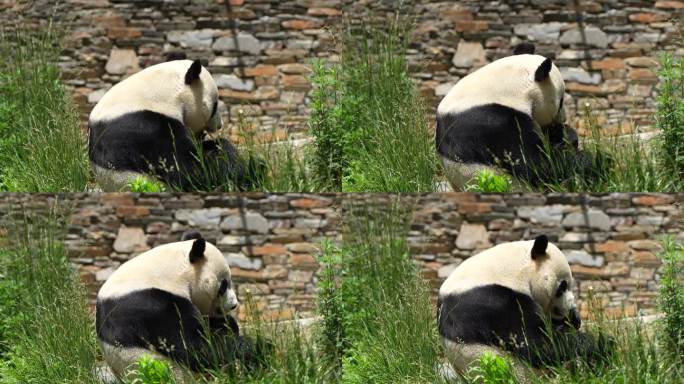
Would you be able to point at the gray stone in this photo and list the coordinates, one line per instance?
(446, 270)
(579, 75)
(130, 239)
(243, 42)
(442, 89)
(543, 33)
(192, 39)
(550, 215)
(473, 236)
(590, 36)
(200, 217)
(468, 55)
(250, 221)
(241, 261)
(122, 61)
(593, 219)
(573, 237)
(223, 61)
(307, 44)
(233, 82)
(103, 274)
(310, 223)
(650, 220)
(583, 258)
(95, 96)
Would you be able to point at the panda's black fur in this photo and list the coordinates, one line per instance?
(499, 316)
(484, 135)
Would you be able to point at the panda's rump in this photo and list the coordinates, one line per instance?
(149, 318)
(489, 315)
(138, 140)
(486, 134)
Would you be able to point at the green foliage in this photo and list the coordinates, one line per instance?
(142, 184)
(41, 144)
(670, 114)
(492, 370)
(152, 371)
(327, 126)
(51, 338)
(672, 298)
(488, 181)
(369, 121)
(379, 319)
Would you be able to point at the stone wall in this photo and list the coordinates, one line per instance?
(272, 240)
(260, 51)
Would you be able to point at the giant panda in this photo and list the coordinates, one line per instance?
(502, 301)
(160, 303)
(148, 124)
(495, 118)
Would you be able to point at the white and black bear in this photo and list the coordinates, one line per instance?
(497, 116)
(503, 300)
(161, 303)
(145, 125)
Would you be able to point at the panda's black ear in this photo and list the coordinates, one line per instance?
(191, 235)
(539, 247)
(543, 71)
(197, 250)
(524, 48)
(193, 72)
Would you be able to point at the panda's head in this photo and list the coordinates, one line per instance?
(551, 281)
(198, 98)
(208, 278)
(546, 90)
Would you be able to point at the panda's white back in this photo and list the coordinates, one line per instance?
(158, 88)
(166, 267)
(508, 81)
(505, 264)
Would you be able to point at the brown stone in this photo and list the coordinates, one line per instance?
(611, 247)
(609, 64)
(303, 261)
(300, 24)
(295, 83)
(267, 249)
(295, 69)
(332, 12)
(263, 93)
(642, 75)
(669, 4)
(646, 258)
(132, 211)
(467, 207)
(471, 25)
(647, 17)
(116, 199)
(123, 33)
(651, 200)
(609, 87)
(643, 62)
(310, 203)
(261, 71)
(109, 21)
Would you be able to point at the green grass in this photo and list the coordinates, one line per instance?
(369, 121)
(379, 321)
(42, 148)
(48, 336)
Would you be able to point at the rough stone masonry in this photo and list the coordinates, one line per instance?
(272, 241)
(260, 51)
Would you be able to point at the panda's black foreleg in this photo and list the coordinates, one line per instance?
(251, 352)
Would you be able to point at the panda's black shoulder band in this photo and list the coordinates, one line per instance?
(543, 71)
(539, 247)
(197, 250)
(193, 72)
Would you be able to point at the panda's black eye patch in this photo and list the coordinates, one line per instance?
(223, 288)
(562, 288)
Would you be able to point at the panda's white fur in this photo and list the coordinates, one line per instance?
(479, 298)
(148, 290)
(161, 88)
(494, 118)
(509, 81)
